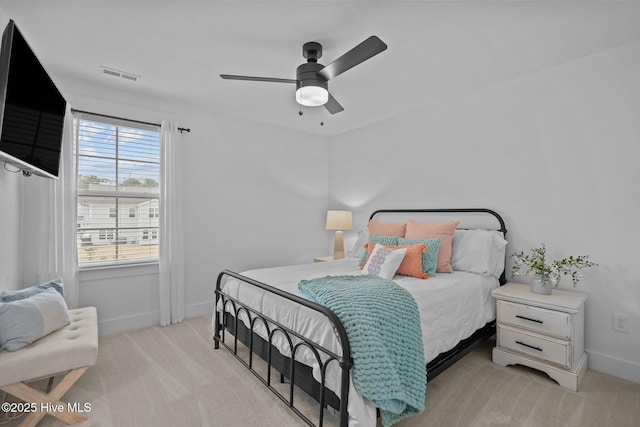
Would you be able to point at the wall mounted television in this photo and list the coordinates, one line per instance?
(32, 109)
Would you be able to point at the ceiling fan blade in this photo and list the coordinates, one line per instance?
(257, 79)
(365, 50)
(332, 105)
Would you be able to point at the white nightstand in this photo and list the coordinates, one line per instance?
(323, 258)
(544, 332)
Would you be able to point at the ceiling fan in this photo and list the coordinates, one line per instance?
(312, 78)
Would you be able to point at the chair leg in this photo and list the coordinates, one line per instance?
(48, 403)
(50, 384)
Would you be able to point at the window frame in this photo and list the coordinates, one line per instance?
(121, 213)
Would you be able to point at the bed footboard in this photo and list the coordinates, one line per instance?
(232, 306)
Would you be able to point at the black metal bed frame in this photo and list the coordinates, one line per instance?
(300, 374)
(281, 363)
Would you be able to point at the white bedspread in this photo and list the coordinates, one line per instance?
(452, 306)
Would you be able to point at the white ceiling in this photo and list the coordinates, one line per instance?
(437, 50)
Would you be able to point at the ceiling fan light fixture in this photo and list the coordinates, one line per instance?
(312, 96)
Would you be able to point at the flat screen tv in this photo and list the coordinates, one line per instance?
(31, 109)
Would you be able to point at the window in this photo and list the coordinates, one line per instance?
(118, 179)
(106, 234)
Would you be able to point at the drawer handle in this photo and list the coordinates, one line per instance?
(530, 346)
(529, 319)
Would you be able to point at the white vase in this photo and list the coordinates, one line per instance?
(541, 286)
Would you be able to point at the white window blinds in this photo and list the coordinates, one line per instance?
(118, 182)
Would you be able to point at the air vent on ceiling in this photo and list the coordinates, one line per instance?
(120, 74)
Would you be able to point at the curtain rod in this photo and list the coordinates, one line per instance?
(73, 110)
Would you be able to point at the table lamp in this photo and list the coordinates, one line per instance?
(339, 220)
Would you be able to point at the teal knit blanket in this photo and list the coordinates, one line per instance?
(383, 325)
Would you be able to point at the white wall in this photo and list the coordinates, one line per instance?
(555, 152)
(254, 195)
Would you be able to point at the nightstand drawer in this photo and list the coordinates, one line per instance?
(548, 322)
(550, 349)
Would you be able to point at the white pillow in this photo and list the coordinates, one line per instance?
(478, 251)
(384, 261)
(498, 255)
(359, 249)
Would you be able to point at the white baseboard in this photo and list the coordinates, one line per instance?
(200, 309)
(610, 365)
(144, 320)
(128, 323)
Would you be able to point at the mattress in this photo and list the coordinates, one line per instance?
(452, 306)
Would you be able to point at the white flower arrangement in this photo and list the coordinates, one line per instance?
(536, 264)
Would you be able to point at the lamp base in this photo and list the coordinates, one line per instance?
(338, 245)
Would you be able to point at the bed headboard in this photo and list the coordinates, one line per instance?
(469, 218)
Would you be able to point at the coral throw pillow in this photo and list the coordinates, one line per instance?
(429, 258)
(443, 231)
(377, 228)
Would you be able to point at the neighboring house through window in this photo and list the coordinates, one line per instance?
(118, 182)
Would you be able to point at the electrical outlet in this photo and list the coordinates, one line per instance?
(620, 322)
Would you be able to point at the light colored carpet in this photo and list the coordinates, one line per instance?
(172, 376)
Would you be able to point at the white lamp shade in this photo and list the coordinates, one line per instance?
(312, 96)
(339, 220)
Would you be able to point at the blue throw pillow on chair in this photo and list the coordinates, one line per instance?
(25, 320)
(9, 296)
